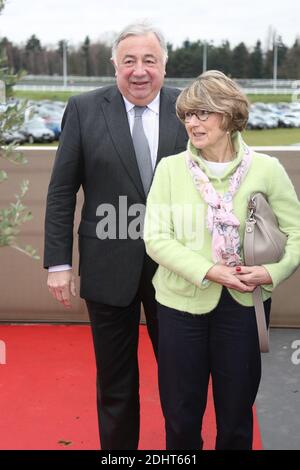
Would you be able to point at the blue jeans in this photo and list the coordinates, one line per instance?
(224, 344)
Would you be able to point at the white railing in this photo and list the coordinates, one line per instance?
(68, 88)
(83, 88)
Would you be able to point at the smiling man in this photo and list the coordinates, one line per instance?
(112, 139)
(140, 67)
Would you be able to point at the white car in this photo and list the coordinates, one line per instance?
(36, 131)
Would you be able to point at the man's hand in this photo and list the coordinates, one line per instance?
(229, 277)
(61, 284)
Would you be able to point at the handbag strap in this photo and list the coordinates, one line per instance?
(263, 333)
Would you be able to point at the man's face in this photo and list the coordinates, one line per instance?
(140, 68)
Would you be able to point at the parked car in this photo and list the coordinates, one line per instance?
(54, 126)
(290, 120)
(36, 131)
(14, 136)
(256, 120)
(273, 115)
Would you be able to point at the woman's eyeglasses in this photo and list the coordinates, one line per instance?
(202, 115)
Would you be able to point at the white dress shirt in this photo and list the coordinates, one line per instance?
(150, 119)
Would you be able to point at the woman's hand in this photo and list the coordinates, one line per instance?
(230, 277)
(253, 275)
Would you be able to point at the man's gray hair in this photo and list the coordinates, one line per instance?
(140, 29)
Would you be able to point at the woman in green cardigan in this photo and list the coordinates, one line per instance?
(194, 225)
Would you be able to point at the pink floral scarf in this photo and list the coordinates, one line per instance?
(221, 221)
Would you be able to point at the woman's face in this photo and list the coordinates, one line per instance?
(206, 134)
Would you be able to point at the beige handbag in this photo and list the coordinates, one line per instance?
(264, 243)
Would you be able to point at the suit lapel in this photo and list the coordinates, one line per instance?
(168, 125)
(118, 126)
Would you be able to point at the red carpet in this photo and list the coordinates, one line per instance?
(47, 391)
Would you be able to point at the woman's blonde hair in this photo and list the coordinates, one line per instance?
(214, 91)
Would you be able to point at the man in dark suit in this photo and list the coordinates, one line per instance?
(98, 150)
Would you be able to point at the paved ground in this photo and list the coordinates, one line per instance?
(278, 400)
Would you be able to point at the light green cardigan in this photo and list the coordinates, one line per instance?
(176, 236)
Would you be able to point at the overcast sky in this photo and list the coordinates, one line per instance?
(213, 20)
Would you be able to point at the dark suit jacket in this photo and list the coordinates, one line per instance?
(96, 152)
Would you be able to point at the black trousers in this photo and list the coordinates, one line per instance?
(115, 337)
(223, 344)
